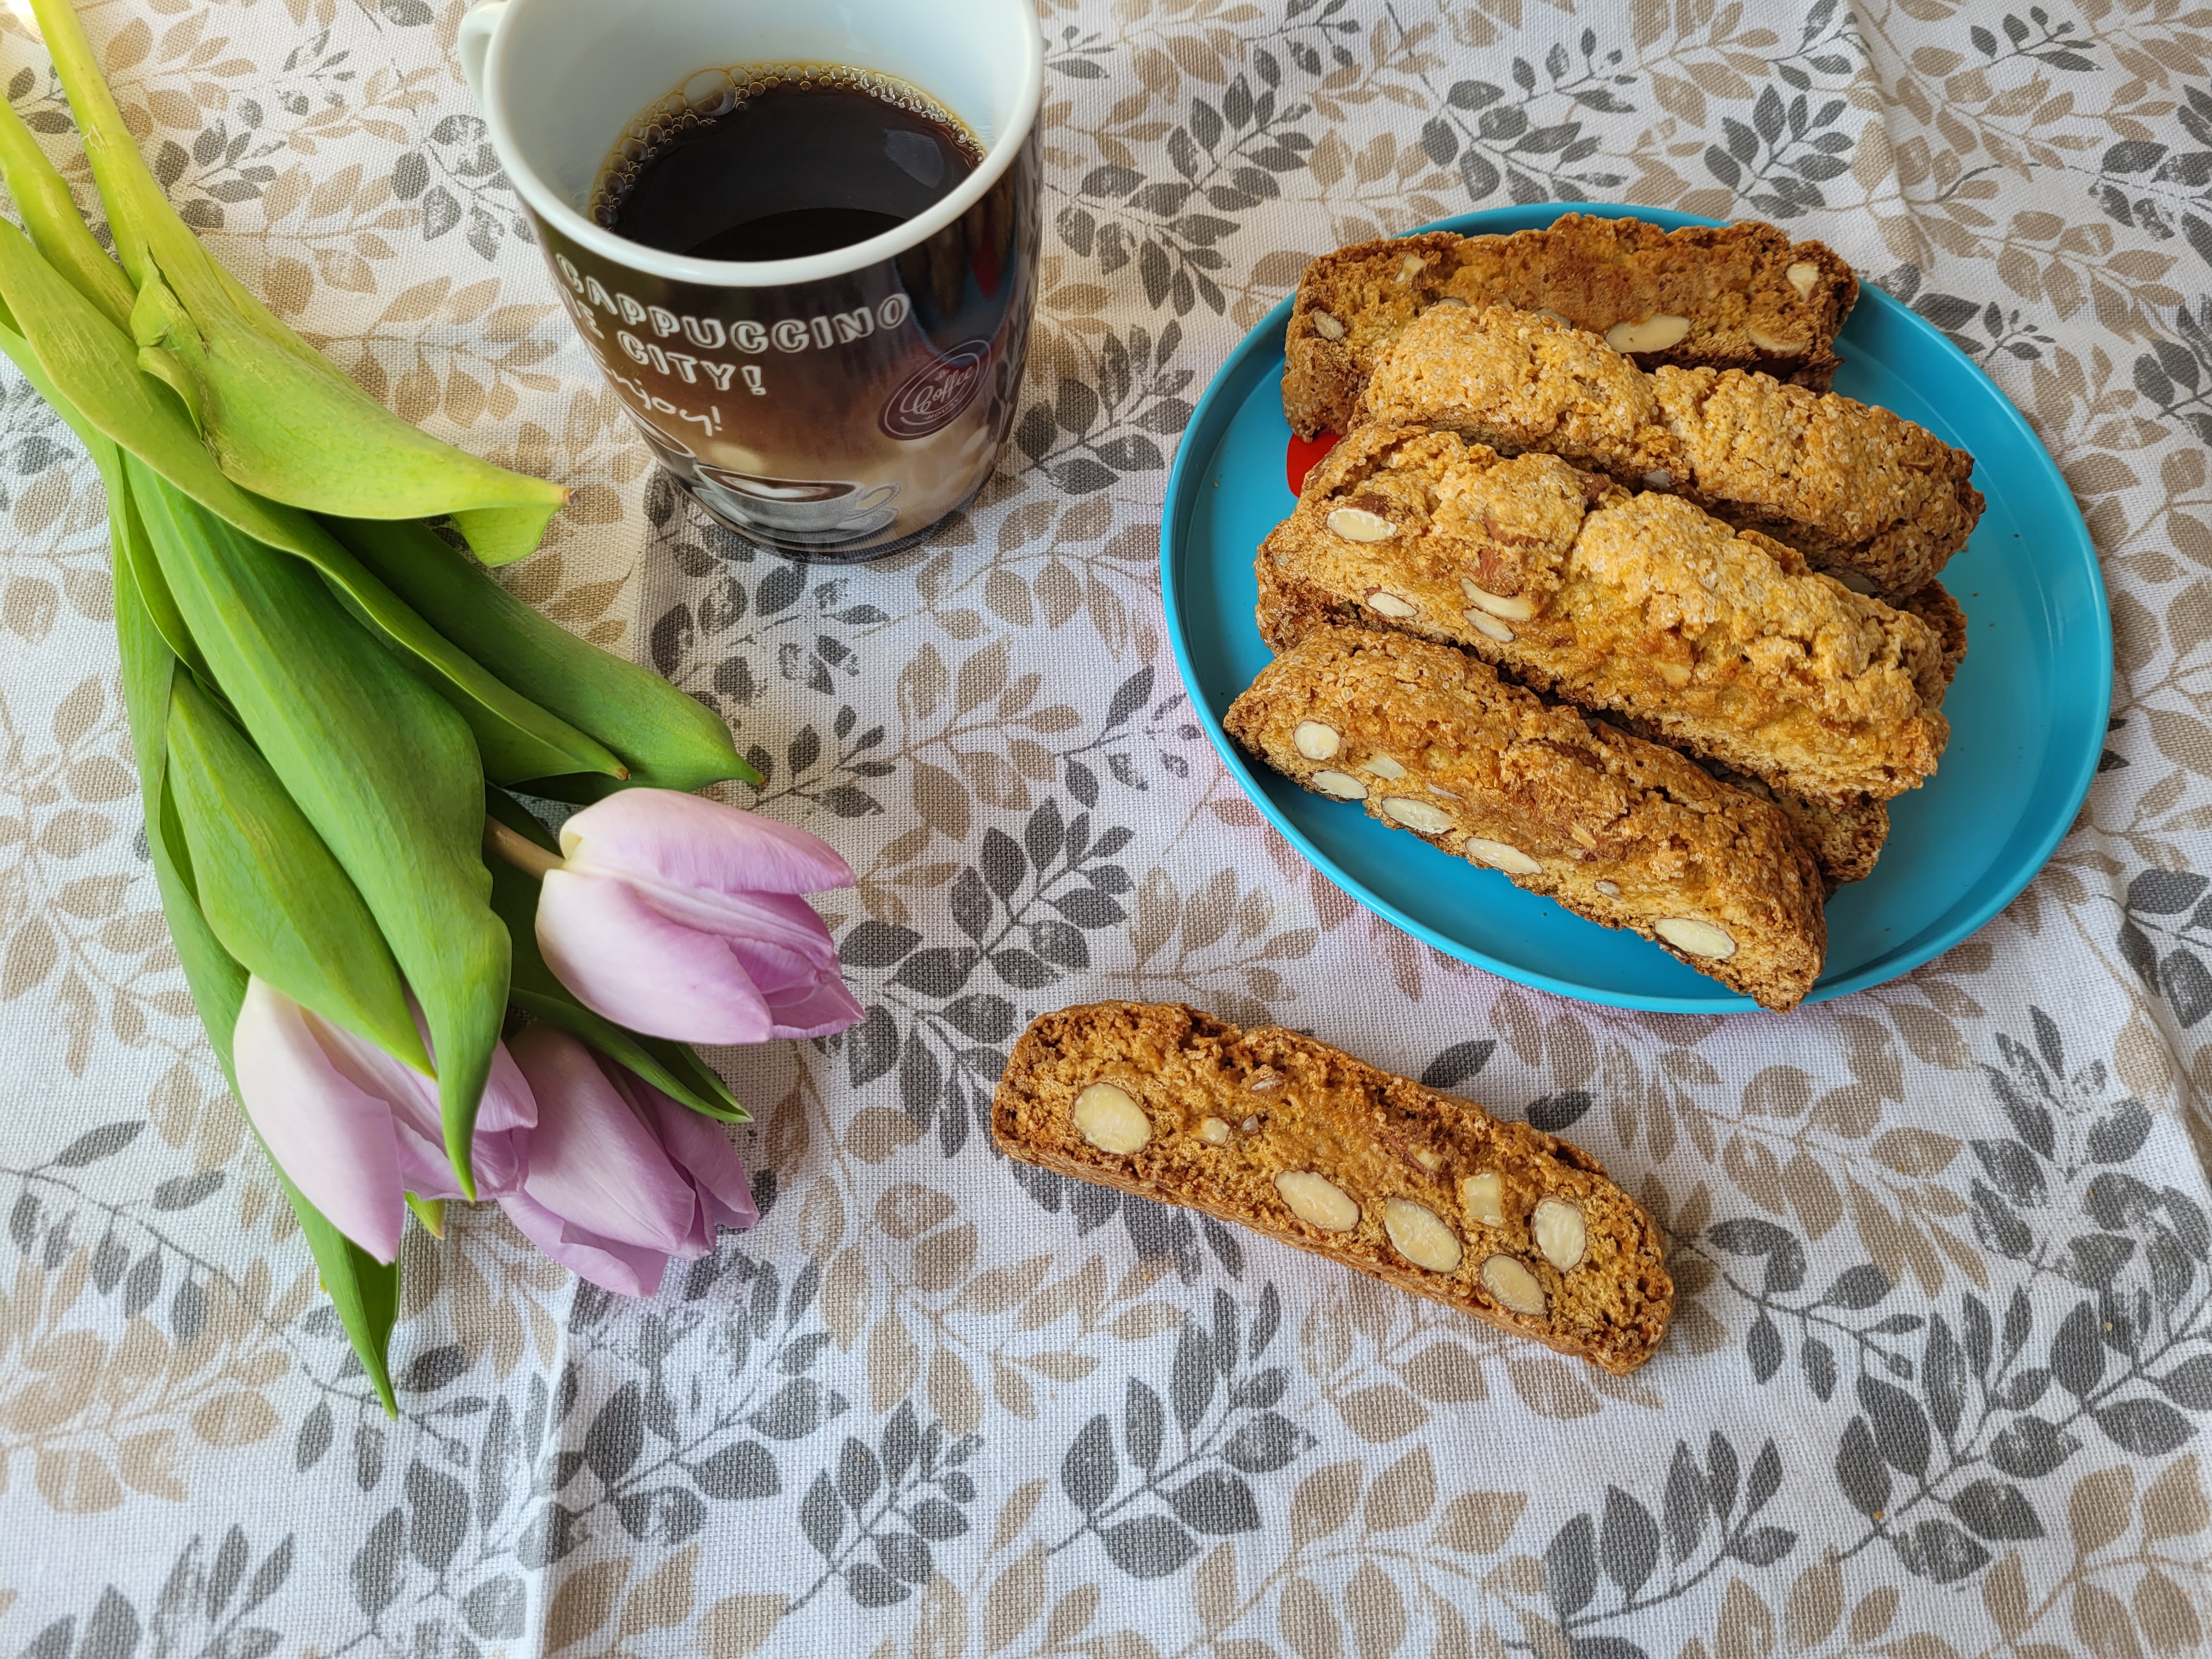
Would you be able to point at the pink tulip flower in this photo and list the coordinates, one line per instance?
(355, 1129)
(680, 917)
(621, 1178)
(600, 1170)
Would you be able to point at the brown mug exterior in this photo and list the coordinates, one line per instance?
(837, 420)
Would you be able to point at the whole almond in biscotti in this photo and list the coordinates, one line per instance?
(1425, 1191)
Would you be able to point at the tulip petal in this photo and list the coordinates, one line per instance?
(332, 1137)
(783, 924)
(593, 1161)
(828, 1008)
(701, 1147)
(688, 842)
(623, 959)
(623, 1268)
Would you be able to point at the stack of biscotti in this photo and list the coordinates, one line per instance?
(1601, 459)
(1273, 1130)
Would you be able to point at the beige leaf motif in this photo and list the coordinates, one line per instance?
(1214, 1587)
(2174, 1506)
(1308, 1623)
(1480, 1522)
(662, 1600)
(1015, 1599)
(2101, 1508)
(1403, 1494)
(736, 1625)
(584, 1603)
(1550, 1387)
(1324, 1501)
(1384, 1412)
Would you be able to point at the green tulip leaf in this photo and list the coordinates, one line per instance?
(667, 739)
(90, 366)
(364, 1291)
(276, 415)
(384, 771)
(270, 889)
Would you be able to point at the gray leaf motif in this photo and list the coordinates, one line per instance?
(1628, 1542)
(1088, 1474)
(1216, 1502)
(1997, 1509)
(1571, 1567)
(1149, 1546)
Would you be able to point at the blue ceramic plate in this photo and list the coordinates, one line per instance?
(2028, 712)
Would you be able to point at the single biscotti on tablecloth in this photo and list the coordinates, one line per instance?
(1721, 640)
(1626, 833)
(1734, 296)
(1300, 1141)
(1858, 491)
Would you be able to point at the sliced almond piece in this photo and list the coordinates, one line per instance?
(1487, 625)
(1383, 766)
(1429, 1158)
(1502, 855)
(1264, 1080)
(1652, 334)
(1698, 938)
(1385, 603)
(1342, 784)
(1318, 1200)
(1426, 816)
(1356, 524)
(1658, 478)
(1610, 889)
(1109, 1118)
(1315, 740)
(1854, 582)
(1327, 327)
(1452, 299)
(1214, 1131)
(1514, 1285)
(1410, 266)
(1560, 1232)
(1483, 1197)
(1779, 346)
(1802, 276)
(1514, 607)
(1421, 1235)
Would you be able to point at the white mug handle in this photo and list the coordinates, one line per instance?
(875, 498)
(475, 40)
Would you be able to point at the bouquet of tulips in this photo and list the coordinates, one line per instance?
(330, 705)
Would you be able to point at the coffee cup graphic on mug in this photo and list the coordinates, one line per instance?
(833, 406)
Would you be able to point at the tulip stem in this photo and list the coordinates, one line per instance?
(519, 850)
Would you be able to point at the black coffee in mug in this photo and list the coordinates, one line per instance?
(782, 162)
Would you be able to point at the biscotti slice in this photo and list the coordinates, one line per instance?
(1625, 833)
(1722, 640)
(1734, 296)
(1303, 1143)
(1860, 491)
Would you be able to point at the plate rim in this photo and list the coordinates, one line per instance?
(1266, 335)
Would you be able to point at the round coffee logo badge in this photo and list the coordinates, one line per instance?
(939, 391)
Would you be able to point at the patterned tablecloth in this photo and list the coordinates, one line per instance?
(1942, 1363)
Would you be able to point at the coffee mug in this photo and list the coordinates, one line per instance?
(834, 407)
